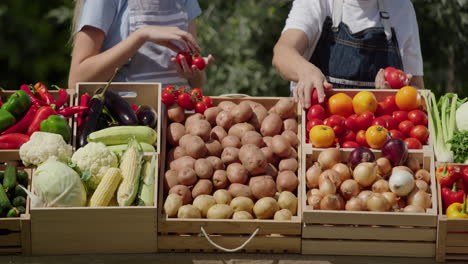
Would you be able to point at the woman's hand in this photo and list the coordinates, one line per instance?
(191, 72)
(380, 82)
(307, 83)
(169, 37)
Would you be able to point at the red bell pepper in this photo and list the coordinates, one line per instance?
(465, 178)
(23, 124)
(450, 196)
(13, 141)
(42, 90)
(69, 111)
(63, 96)
(84, 101)
(42, 114)
(35, 101)
(448, 174)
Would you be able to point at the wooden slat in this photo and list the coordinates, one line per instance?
(10, 250)
(441, 239)
(12, 239)
(460, 240)
(26, 235)
(457, 257)
(368, 248)
(457, 250)
(12, 224)
(457, 225)
(370, 233)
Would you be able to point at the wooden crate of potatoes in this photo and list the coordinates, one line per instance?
(224, 222)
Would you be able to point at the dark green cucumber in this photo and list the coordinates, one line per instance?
(22, 177)
(9, 180)
(19, 201)
(2, 174)
(13, 213)
(21, 209)
(5, 204)
(19, 191)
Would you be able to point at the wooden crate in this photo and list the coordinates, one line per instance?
(88, 230)
(326, 232)
(15, 233)
(186, 234)
(13, 154)
(452, 235)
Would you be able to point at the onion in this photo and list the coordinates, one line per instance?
(365, 173)
(349, 189)
(402, 168)
(342, 170)
(401, 182)
(354, 204)
(392, 199)
(414, 209)
(329, 157)
(314, 201)
(327, 187)
(312, 175)
(378, 203)
(424, 175)
(359, 155)
(364, 196)
(313, 192)
(384, 167)
(413, 163)
(401, 203)
(396, 151)
(332, 175)
(332, 202)
(420, 198)
(380, 186)
(421, 185)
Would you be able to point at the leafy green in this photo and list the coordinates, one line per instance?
(459, 146)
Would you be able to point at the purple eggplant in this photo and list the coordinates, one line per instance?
(120, 109)
(147, 116)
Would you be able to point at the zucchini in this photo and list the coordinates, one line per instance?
(13, 213)
(4, 201)
(19, 201)
(119, 149)
(122, 134)
(9, 180)
(19, 192)
(22, 177)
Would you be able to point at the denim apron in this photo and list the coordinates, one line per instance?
(152, 62)
(352, 60)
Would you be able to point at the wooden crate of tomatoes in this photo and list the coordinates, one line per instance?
(452, 240)
(230, 181)
(368, 202)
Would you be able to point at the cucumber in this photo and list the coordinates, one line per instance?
(19, 201)
(13, 213)
(122, 134)
(119, 149)
(9, 180)
(2, 174)
(4, 201)
(19, 192)
(21, 209)
(22, 177)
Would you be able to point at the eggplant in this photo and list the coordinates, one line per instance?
(120, 109)
(147, 116)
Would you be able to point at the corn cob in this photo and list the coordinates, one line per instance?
(106, 188)
(146, 192)
(130, 165)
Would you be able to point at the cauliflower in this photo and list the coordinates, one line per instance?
(43, 145)
(92, 161)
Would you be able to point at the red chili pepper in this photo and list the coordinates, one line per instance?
(23, 124)
(134, 107)
(42, 114)
(42, 90)
(84, 101)
(69, 111)
(13, 141)
(450, 196)
(35, 101)
(448, 174)
(63, 96)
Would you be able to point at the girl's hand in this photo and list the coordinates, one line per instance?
(192, 72)
(380, 82)
(303, 90)
(169, 37)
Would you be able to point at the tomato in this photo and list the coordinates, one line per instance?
(181, 56)
(316, 111)
(395, 77)
(400, 116)
(418, 117)
(420, 133)
(390, 103)
(413, 143)
(200, 107)
(350, 144)
(199, 62)
(322, 136)
(185, 101)
(179, 90)
(376, 136)
(167, 98)
(348, 135)
(208, 101)
(405, 127)
(379, 121)
(364, 101)
(336, 122)
(315, 99)
(396, 134)
(387, 71)
(361, 138)
(169, 89)
(313, 122)
(408, 98)
(351, 123)
(365, 119)
(196, 93)
(391, 123)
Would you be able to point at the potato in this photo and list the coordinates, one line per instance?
(287, 164)
(175, 113)
(216, 163)
(287, 200)
(186, 176)
(242, 204)
(224, 119)
(196, 148)
(238, 190)
(192, 118)
(262, 186)
(265, 208)
(203, 186)
(280, 146)
(185, 139)
(286, 181)
(172, 204)
(179, 152)
(259, 114)
(188, 211)
(170, 179)
(291, 137)
(183, 191)
(201, 128)
(271, 171)
(218, 133)
(203, 168)
(253, 137)
(242, 215)
(226, 105)
(270, 156)
(268, 141)
(214, 148)
(240, 129)
(230, 155)
(220, 180)
(242, 112)
(271, 125)
(231, 141)
(211, 113)
(236, 173)
(203, 203)
(283, 215)
(285, 108)
(183, 162)
(222, 197)
(291, 125)
(174, 132)
(219, 211)
(253, 159)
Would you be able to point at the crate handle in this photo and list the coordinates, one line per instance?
(229, 249)
(234, 95)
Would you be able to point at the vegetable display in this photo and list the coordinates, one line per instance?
(12, 195)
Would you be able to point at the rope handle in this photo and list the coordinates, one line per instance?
(229, 249)
(234, 95)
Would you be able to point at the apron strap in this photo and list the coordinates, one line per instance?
(337, 14)
(354, 84)
(385, 18)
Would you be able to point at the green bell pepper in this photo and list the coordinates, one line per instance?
(17, 104)
(56, 124)
(6, 120)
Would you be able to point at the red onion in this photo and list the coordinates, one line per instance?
(396, 151)
(359, 155)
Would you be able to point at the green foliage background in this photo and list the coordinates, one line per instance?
(34, 44)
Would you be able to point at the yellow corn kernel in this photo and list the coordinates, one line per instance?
(106, 188)
(130, 166)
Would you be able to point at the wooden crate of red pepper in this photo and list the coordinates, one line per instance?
(23, 111)
(452, 235)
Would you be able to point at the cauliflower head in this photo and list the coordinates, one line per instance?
(93, 160)
(43, 145)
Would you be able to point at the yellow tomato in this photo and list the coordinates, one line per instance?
(322, 136)
(408, 98)
(364, 102)
(340, 104)
(376, 136)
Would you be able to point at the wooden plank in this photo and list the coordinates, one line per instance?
(457, 250)
(457, 257)
(368, 248)
(26, 236)
(454, 239)
(12, 224)
(12, 239)
(370, 233)
(441, 239)
(457, 225)
(9, 250)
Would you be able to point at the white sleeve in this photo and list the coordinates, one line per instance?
(412, 57)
